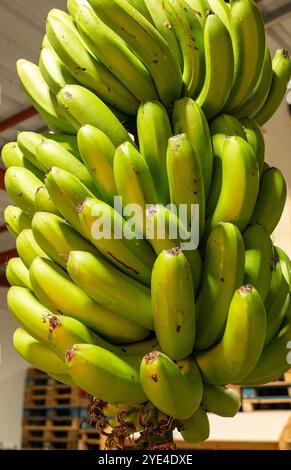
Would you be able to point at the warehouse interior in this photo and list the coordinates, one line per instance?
(267, 426)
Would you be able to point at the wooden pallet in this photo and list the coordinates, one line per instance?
(265, 403)
(74, 423)
(36, 377)
(54, 395)
(55, 412)
(65, 436)
(90, 439)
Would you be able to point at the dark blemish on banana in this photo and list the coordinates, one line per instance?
(155, 378)
(123, 264)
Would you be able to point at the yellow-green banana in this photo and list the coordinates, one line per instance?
(12, 156)
(233, 358)
(220, 400)
(271, 200)
(219, 67)
(99, 279)
(27, 247)
(154, 131)
(256, 140)
(108, 231)
(65, 379)
(281, 76)
(223, 273)
(200, 8)
(221, 9)
(97, 152)
(188, 118)
(73, 302)
(43, 202)
(103, 374)
(21, 186)
(259, 259)
(16, 220)
(175, 390)
(147, 42)
(173, 304)
(37, 353)
(57, 238)
(286, 265)
(197, 428)
(17, 273)
(53, 70)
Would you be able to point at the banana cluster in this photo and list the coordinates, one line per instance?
(158, 102)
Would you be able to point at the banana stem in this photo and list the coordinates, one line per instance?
(161, 442)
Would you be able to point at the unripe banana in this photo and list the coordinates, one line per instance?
(147, 43)
(173, 304)
(248, 39)
(43, 202)
(138, 349)
(256, 140)
(219, 67)
(154, 131)
(37, 353)
(221, 127)
(16, 220)
(57, 238)
(259, 259)
(220, 400)
(97, 152)
(114, 53)
(99, 279)
(67, 193)
(281, 75)
(27, 247)
(195, 429)
(200, 8)
(62, 378)
(176, 392)
(240, 185)
(186, 178)
(53, 70)
(12, 156)
(221, 9)
(141, 6)
(233, 358)
(271, 200)
(261, 91)
(42, 98)
(84, 107)
(104, 375)
(223, 273)
(73, 302)
(21, 186)
(87, 70)
(286, 265)
(188, 118)
(17, 273)
(103, 225)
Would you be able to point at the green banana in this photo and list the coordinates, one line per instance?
(43, 202)
(50, 154)
(259, 259)
(221, 127)
(27, 247)
(200, 8)
(42, 98)
(195, 429)
(220, 400)
(16, 220)
(55, 74)
(256, 140)
(188, 118)
(67, 193)
(248, 39)
(271, 200)
(132, 256)
(12, 156)
(223, 273)
(97, 152)
(221, 9)
(113, 52)
(73, 302)
(233, 358)
(65, 379)
(36, 353)
(261, 91)
(154, 131)
(281, 75)
(163, 25)
(87, 70)
(186, 178)
(17, 273)
(84, 107)
(147, 43)
(99, 279)
(21, 186)
(286, 265)
(239, 187)
(137, 349)
(142, 7)
(57, 238)
(103, 374)
(166, 231)
(175, 391)
(134, 183)
(173, 304)
(219, 67)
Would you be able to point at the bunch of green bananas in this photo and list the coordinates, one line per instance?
(150, 328)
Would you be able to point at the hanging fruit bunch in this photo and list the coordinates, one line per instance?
(157, 102)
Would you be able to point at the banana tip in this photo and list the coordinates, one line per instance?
(243, 290)
(70, 354)
(174, 251)
(55, 322)
(151, 357)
